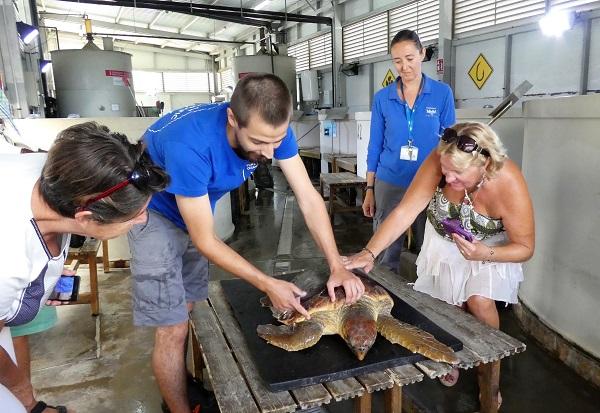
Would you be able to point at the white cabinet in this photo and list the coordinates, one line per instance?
(363, 130)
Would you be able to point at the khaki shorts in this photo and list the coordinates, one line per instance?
(168, 272)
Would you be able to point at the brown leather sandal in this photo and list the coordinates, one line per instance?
(40, 406)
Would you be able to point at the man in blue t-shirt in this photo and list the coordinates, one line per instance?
(209, 150)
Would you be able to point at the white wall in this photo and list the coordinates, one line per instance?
(510, 128)
(307, 131)
(553, 66)
(560, 163)
(358, 97)
(550, 64)
(594, 67)
(466, 92)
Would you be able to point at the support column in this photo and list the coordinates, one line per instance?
(338, 79)
(445, 41)
(11, 66)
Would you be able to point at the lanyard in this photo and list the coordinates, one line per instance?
(410, 113)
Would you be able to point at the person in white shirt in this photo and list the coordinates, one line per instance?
(92, 183)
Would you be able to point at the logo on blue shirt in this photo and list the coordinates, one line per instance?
(431, 111)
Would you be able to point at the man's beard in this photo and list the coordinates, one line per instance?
(250, 156)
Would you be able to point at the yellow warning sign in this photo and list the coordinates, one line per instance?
(388, 78)
(481, 71)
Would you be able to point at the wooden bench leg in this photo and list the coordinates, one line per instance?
(362, 404)
(393, 399)
(332, 195)
(105, 260)
(197, 360)
(489, 384)
(94, 300)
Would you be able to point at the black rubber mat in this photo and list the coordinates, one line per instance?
(330, 359)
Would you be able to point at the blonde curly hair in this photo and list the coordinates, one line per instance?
(486, 138)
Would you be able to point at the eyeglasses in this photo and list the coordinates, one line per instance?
(464, 143)
(138, 178)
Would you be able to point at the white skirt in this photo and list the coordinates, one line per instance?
(444, 273)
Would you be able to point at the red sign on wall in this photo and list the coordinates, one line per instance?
(122, 74)
(439, 64)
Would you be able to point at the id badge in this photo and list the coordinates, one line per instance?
(409, 153)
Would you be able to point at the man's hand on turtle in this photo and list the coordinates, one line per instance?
(353, 286)
(285, 296)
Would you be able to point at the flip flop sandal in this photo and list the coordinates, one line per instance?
(450, 379)
(40, 406)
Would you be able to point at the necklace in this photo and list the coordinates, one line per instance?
(475, 191)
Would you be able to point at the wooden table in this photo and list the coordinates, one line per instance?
(238, 387)
(313, 152)
(340, 161)
(346, 164)
(336, 182)
(87, 253)
(311, 158)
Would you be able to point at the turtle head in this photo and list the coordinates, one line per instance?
(360, 334)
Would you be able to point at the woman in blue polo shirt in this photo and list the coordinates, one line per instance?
(407, 119)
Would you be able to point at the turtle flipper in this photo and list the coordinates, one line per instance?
(415, 339)
(293, 337)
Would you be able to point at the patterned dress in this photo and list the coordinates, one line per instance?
(442, 270)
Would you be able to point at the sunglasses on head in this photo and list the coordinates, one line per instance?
(463, 142)
(139, 178)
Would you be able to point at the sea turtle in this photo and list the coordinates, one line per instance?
(358, 324)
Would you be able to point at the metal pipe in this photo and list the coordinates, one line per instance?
(195, 40)
(226, 13)
(55, 30)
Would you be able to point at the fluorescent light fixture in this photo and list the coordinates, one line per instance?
(262, 5)
(556, 22)
(45, 65)
(27, 32)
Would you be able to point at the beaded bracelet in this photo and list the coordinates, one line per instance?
(491, 255)
(370, 252)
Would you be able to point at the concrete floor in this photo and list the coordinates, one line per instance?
(102, 364)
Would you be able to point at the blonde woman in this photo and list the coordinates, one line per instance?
(470, 180)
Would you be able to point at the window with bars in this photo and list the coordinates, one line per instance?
(186, 82)
(300, 52)
(226, 78)
(366, 37)
(471, 15)
(575, 4)
(313, 53)
(422, 16)
(319, 50)
(144, 81)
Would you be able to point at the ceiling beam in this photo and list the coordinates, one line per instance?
(126, 45)
(188, 24)
(155, 19)
(249, 17)
(129, 30)
(119, 14)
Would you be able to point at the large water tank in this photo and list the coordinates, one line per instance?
(93, 83)
(282, 66)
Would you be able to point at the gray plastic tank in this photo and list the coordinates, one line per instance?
(93, 83)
